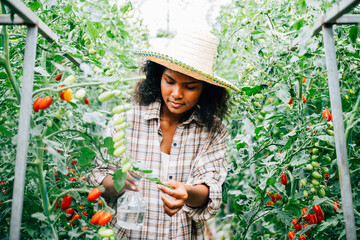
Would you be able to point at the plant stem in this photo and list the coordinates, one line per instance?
(352, 118)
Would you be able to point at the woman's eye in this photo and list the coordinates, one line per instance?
(168, 82)
(190, 88)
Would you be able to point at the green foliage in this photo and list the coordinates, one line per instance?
(66, 136)
(269, 136)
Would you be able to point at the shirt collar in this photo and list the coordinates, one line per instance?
(153, 112)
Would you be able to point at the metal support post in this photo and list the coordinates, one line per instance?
(340, 144)
(23, 132)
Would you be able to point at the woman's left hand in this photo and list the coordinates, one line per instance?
(177, 199)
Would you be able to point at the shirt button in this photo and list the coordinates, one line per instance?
(170, 177)
(174, 144)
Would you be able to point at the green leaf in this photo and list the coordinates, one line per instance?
(119, 180)
(35, 6)
(5, 131)
(353, 33)
(283, 93)
(270, 181)
(91, 29)
(67, 8)
(86, 155)
(39, 216)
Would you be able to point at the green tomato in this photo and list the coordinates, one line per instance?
(58, 114)
(259, 96)
(252, 109)
(303, 182)
(80, 94)
(330, 124)
(315, 151)
(126, 167)
(322, 192)
(120, 150)
(311, 185)
(315, 198)
(312, 190)
(315, 182)
(327, 158)
(330, 132)
(49, 123)
(107, 73)
(315, 164)
(322, 186)
(306, 194)
(316, 174)
(256, 104)
(119, 143)
(118, 136)
(309, 167)
(106, 232)
(314, 157)
(325, 170)
(122, 126)
(105, 96)
(120, 109)
(70, 79)
(119, 120)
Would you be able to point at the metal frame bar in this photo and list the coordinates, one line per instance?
(6, 19)
(340, 142)
(348, 19)
(23, 132)
(30, 18)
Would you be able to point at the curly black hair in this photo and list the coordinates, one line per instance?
(213, 102)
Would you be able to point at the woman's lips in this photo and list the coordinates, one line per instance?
(175, 104)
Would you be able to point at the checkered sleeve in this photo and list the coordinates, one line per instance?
(211, 170)
(101, 170)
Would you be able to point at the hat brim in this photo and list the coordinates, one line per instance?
(176, 65)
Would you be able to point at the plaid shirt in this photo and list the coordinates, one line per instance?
(196, 157)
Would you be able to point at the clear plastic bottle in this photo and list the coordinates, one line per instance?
(131, 209)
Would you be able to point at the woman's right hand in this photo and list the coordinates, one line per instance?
(130, 184)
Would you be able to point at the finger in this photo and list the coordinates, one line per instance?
(131, 186)
(167, 190)
(172, 203)
(132, 179)
(171, 212)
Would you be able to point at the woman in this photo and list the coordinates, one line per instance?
(176, 130)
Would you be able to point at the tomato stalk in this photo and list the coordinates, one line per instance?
(350, 122)
(56, 87)
(79, 132)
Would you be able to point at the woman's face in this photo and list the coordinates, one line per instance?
(180, 92)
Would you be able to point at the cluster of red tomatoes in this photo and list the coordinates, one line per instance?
(101, 218)
(312, 219)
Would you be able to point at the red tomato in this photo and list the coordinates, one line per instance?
(73, 179)
(308, 232)
(94, 194)
(105, 218)
(96, 217)
(77, 216)
(66, 202)
(278, 196)
(302, 237)
(58, 77)
(74, 162)
(297, 224)
(36, 105)
(86, 101)
(273, 198)
(326, 114)
(317, 209)
(313, 219)
(291, 101)
(307, 217)
(66, 95)
(45, 103)
(283, 179)
(304, 99)
(336, 204)
(291, 235)
(70, 213)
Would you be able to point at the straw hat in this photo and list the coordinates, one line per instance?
(192, 52)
